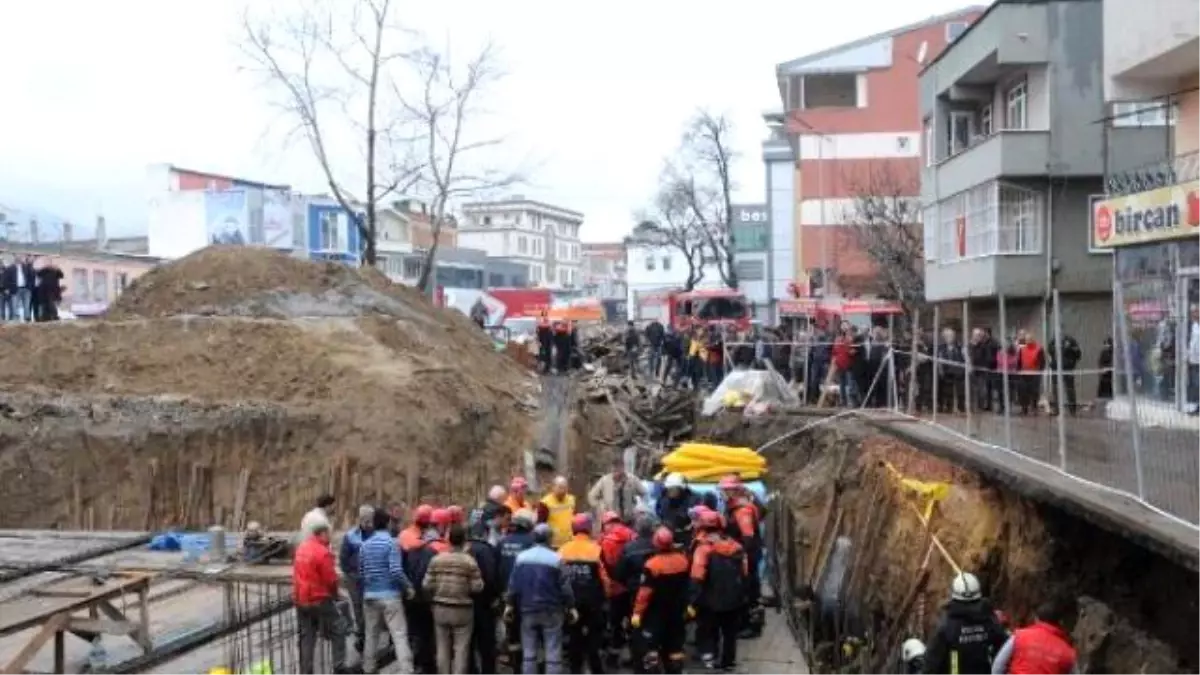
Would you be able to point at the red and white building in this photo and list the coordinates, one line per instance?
(854, 124)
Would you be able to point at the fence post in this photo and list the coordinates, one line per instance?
(912, 364)
(1004, 383)
(967, 363)
(1127, 362)
(1059, 398)
(937, 322)
(892, 396)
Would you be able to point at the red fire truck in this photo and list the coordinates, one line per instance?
(719, 306)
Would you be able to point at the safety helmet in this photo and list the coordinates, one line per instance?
(581, 523)
(911, 649)
(423, 515)
(610, 517)
(523, 518)
(441, 518)
(542, 533)
(664, 539)
(697, 511)
(730, 482)
(518, 484)
(457, 514)
(710, 520)
(674, 480)
(965, 587)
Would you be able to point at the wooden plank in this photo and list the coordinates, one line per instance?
(239, 501)
(31, 648)
(60, 652)
(106, 626)
(124, 583)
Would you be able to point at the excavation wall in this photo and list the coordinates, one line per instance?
(862, 551)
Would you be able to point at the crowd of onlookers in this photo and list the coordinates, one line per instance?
(856, 366)
(30, 289)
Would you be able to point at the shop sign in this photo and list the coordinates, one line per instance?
(1171, 212)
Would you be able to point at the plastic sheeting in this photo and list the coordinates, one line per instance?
(750, 390)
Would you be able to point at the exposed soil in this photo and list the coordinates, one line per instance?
(312, 376)
(1139, 611)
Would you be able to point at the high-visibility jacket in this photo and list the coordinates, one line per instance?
(559, 515)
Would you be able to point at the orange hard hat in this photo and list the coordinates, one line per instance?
(518, 483)
(664, 539)
(582, 522)
(457, 514)
(423, 515)
(710, 520)
(610, 517)
(442, 517)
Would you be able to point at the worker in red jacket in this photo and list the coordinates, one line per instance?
(661, 605)
(314, 591)
(614, 535)
(1045, 646)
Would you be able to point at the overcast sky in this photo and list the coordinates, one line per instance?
(595, 96)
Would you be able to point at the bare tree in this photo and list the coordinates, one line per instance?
(672, 224)
(704, 173)
(331, 67)
(443, 110)
(885, 222)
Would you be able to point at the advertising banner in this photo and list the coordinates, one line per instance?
(751, 228)
(276, 219)
(227, 217)
(1171, 212)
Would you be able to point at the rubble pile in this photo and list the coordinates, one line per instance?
(604, 348)
(648, 416)
(416, 399)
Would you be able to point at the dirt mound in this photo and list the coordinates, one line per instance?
(356, 371)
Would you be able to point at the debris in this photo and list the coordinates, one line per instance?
(651, 416)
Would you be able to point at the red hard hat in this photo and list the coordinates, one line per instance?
(441, 517)
(457, 514)
(423, 515)
(663, 540)
(710, 519)
(518, 483)
(610, 517)
(582, 522)
(730, 482)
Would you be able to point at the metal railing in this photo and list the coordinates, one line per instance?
(1162, 173)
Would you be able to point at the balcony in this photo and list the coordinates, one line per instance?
(1014, 153)
(1010, 36)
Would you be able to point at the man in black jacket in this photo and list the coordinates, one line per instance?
(655, 335)
(628, 573)
(968, 635)
(633, 343)
(983, 364)
(1071, 355)
(950, 373)
(483, 635)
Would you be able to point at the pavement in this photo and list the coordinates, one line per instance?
(775, 651)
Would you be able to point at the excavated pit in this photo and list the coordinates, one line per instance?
(1138, 609)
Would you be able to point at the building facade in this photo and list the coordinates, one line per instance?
(604, 271)
(653, 271)
(784, 266)
(91, 279)
(1150, 216)
(750, 226)
(854, 127)
(543, 237)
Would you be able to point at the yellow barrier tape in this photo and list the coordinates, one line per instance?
(930, 493)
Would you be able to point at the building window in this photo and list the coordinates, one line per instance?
(666, 263)
(962, 130)
(650, 263)
(750, 270)
(955, 29)
(929, 225)
(99, 286)
(989, 219)
(412, 268)
(830, 90)
(927, 130)
(1144, 114)
(487, 221)
(330, 232)
(985, 120)
(122, 282)
(80, 289)
(1016, 112)
(522, 245)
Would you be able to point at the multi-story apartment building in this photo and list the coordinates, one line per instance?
(1013, 142)
(784, 266)
(1150, 217)
(604, 270)
(543, 237)
(854, 128)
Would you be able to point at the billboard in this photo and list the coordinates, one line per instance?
(249, 216)
(277, 219)
(750, 225)
(227, 217)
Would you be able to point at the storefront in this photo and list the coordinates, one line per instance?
(1154, 236)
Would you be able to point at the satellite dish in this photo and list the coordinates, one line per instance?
(922, 52)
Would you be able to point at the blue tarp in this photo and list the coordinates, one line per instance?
(191, 543)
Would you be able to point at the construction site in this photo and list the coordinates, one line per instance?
(235, 385)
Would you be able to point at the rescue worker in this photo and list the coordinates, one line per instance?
(719, 572)
(967, 636)
(742, 525)
(517, 499)
(660, 606)
(540, 590)
(418, 610)
(545, 338)
(517, 541)
(582, 560)
(912, 656)
(315, 592)
(629, 575)
(485, 603)
(560, 509)
(562, 346)
(457, 515)
(696, 514)
(614, 535)
(1045, 646)
(673, 507)
(410, 537)
(411, 543)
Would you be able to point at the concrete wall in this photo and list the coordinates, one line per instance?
(1135, 34)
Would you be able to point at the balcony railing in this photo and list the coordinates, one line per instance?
(1179, 169)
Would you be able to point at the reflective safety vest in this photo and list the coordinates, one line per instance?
(560, 513)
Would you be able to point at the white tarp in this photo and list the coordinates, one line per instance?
(753, 389)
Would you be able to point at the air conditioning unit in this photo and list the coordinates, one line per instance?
(902, 142)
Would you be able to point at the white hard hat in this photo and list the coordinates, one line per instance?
(674, 480)
(965, 587)
(911, 649)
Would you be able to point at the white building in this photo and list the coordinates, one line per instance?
(652, 271)
(543, 237)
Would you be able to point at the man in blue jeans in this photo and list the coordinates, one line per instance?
(540, 589)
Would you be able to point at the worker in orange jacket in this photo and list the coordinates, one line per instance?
(719, 572)
(742, 525)
(582, 559)
(660, 607)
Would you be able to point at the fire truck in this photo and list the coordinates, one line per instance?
(685, 309)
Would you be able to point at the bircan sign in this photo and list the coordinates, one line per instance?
(1171, 212)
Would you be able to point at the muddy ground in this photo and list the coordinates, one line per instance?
(1139, 611)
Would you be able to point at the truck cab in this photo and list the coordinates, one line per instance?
(724, 307)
